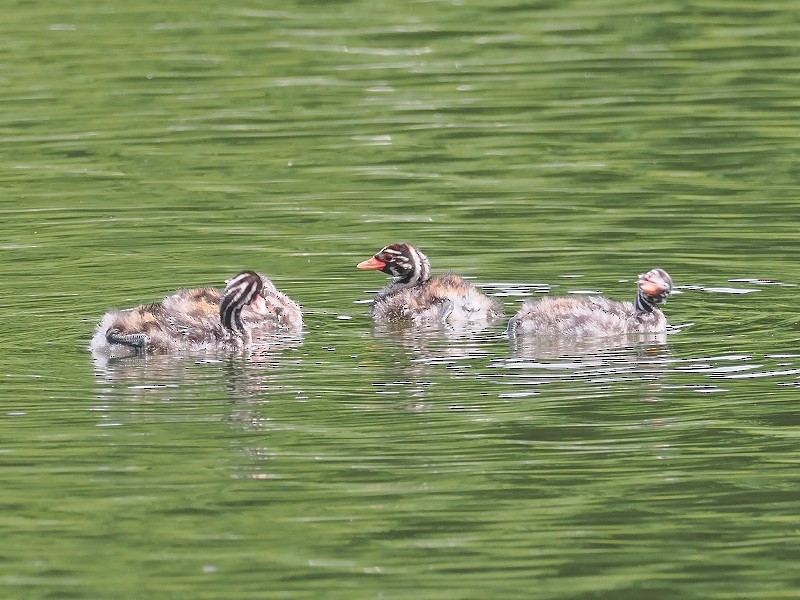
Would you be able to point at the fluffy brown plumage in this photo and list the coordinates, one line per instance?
(190, 319)
(588, 317)
(414, 296)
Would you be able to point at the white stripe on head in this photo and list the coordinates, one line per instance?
(239, 292)
(405, 263)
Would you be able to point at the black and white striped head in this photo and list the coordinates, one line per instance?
(654, 287)
(239, 292)
(402, 261)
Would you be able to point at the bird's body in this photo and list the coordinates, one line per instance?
(199, 319)
(416, 297)
(595, 316)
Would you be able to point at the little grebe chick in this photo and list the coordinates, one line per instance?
(414, 296)
(593, 316)
(199, 318)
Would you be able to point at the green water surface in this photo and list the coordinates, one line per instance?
(536, 147)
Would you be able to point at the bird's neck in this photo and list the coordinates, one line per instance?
(644, 305)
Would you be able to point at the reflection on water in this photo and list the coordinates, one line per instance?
(601, 367)
(244, 373)
(429, 344)
(263, 348)
(527, 346)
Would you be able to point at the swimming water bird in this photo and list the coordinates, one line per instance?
(198, 319)
(414, 296)
(594, 316)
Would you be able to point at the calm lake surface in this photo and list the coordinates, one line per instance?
(536, 148)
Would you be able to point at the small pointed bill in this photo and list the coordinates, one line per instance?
(373, 264)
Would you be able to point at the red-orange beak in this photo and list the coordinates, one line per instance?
(373, 264)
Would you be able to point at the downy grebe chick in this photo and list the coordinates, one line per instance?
(198, 319)
(593, 316)
(417, 297)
